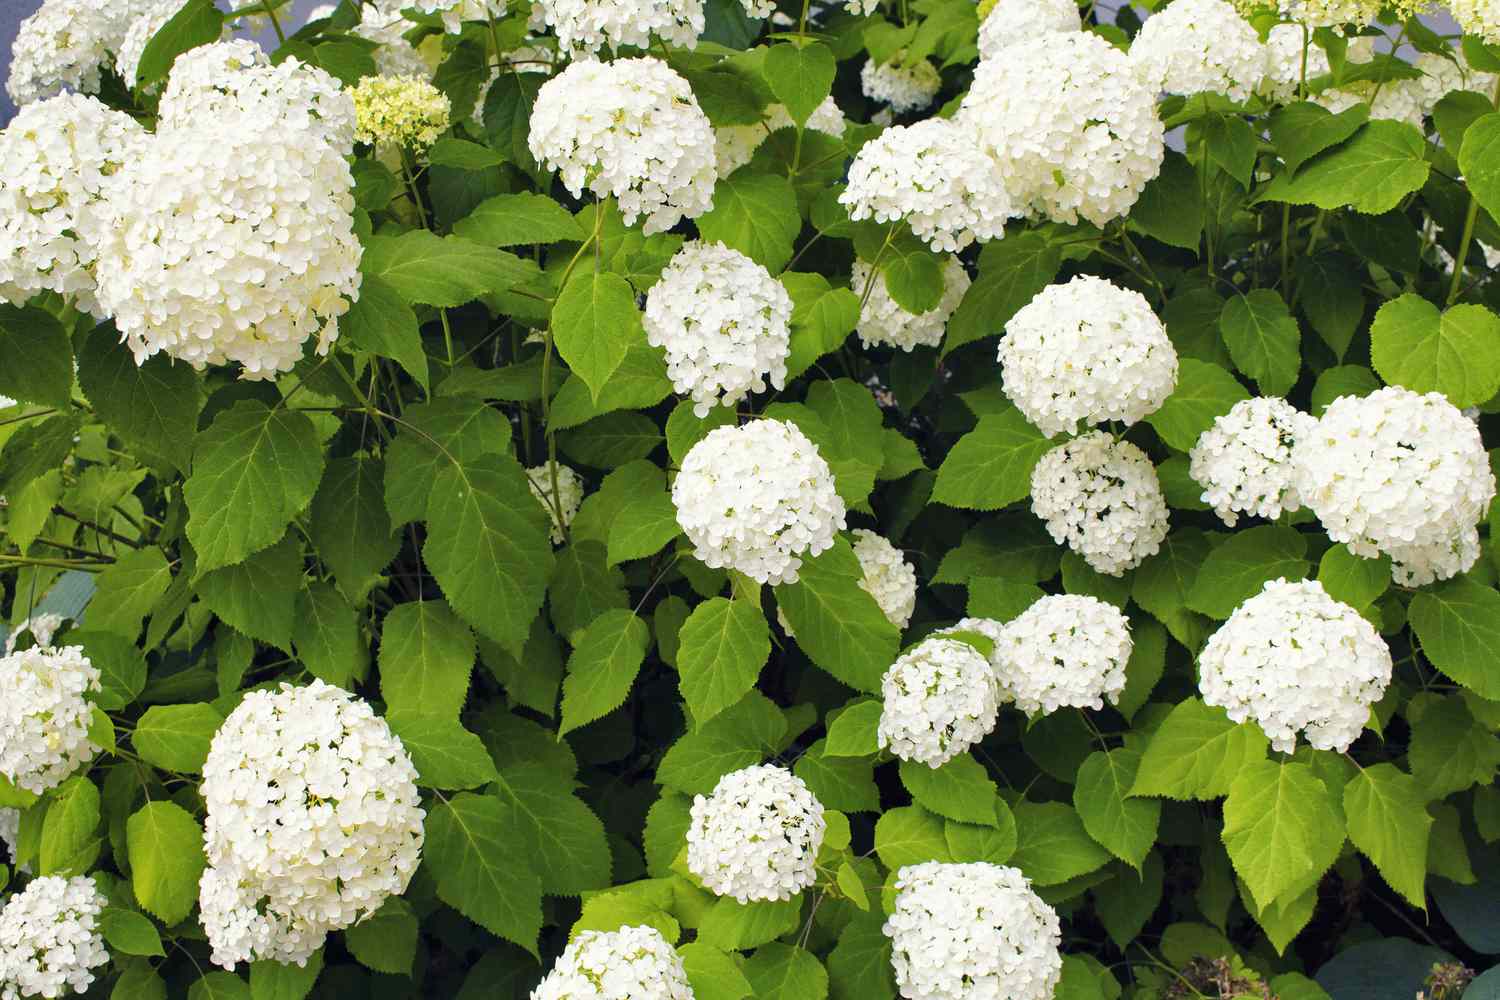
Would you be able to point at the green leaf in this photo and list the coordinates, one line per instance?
(36, 359)
(859, 967)
(643, 526)
(959, 790)
(724, 645)
(426, 655)
(909, 835)
(732, 926)
(165, 847)
(853, 733)
(990, 467)
(1204, 392)
(1052, 845)
(822, 319)
(219, 986)
(256, 595)
(450, 151)
(913, 275)
(1263, 339)
(843, 783)
(327, 637)
(583, 587)
(1479, 159)
(737, 737)
(121, 666)
(1170, 208)
(434, 435)
(386, 941)
(1126, 826)
(514, 219)
(594, 322)
(1387, 815)
(714, 974)
(444, 271)
(1356, 581)
(1383, 163)
(176, 737)
(271, 980)
(1196, 752)
(70, 831)
(1458, 623)
(781, 972)
(1302, 130)
(800, 77)
(1415, 346)
(380, 321)
(1449, 750)
(1283, 829)
(126, 592)
(129, 933)
(1236, 570)
(470, 852)
(1011, 272)
(153, 405)
(602, 668)
(852, 444)
(446, 754)
(837, 622)
(755, 214)
(560, 837)
(199, 22)
(1338, 310)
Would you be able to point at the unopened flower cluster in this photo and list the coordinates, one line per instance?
(1195, 46)
(904, 88)
(586, 26)
(735, 145)
(756, 838)
(632, 963)
(569, 496)
(1011, 21)
(723, 322)
(313, 820)
(1065, 651)
(50, 941)
(756, 499)
(963, 931)
(45, 715)
(939, 699)
(1244, 461)
(405, 111)
(1102, 498)
(1294, 660)
(884, 322)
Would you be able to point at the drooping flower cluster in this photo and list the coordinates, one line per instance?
(632, 963)
(44, 715)
(883, 321)
(1011, 21)
(1102, 498)
(1086, 350)
(723, 322)
(569, 496)
(629, 129)
(1478, 17)
(735, 145)
(1199, 46)
(756, 838)
(756, 499)
(586, 26)
(50, 940)
(1293, 659)
(1398, 473)
(1244, 461)
(963, 931)
(313, 820)
(65, 45)
(939, 698)
(405, 111)
(904, 88)
(1065, 651)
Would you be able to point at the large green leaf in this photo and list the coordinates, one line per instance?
(127, 591)
(1283, 828)
(153, 405)
(176, 737)
(755, 214)
(1479, 159)
(1204, 392)
(381, 321)
(1383, 163)
(594, 322)
(1456, 353)
(1387, 816)
(1196, 752)
(910, 835)
(514, 219)
(724, 645)
(254, 595)
(560, 838)
(1302, 130)
(1237, 569)
(349, 525)
(426, 655)
(1450, 750)
(165, 848)
(1011, 272)
(471, 853)
(386, 941)
(800, 75)
(446, 754)
(1052, 845)
(70, 831)
(432, 270)
(602, 668)
(1126, 826)
(781, 972)
(859, 967)
(1263, 339)
(990, 467)
(837, 622)
(199, 22)
(1458, 623)
(433, 436)
(959, 790)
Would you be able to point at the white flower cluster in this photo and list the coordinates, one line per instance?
(735, 145)
(396, 56)
(44, 715)
(1326, 13)
(966, 931)
(55, 158)
(143, 27)
(883, 321)
(904, 88)
(629, 129)
(50, 941)
(10, 830)
(1478, 17)
(1011, 21)
(756, 838)
(632, 963)
(886, 576)
(405, 111)
(453, 12)
(1285, 65)
(723, 322)
(1244, 461)
(940, 698)
(41, 626)
(1087, 350)
(1065, 651)
(934, 176)
(1199, 46)
(1102, 498)
(586, 26)
(1409, 100)
(313, 820)
(1293, 659)
(65, 45)
(757, 498)
(1073, 129)
(569, 491)
(1398, 473)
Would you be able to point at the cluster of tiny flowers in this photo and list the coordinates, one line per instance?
(965, 931)
(44, 715)
(756, 838)
(904, 88)
(1102, 498)
(757, 498)
(632, 963)
(1010, 21)
(723, 322)
(1409, 100)
(1399, 473)
(1286, 68)
(406, 111)
(1073, 129)
(1244, 461)
(883, 321)
(453, 12)
(395, 56)
(1326, 13)
(65, 45)
(586, 26)
(1199, 46)
(886, 576)
(632, 130)
(1087, 350)
(1293, 659)
(313, 820)
(1065, 651)
(1478, 17)
(55, 158)
(40, 626)
(735, 145)
(50, 941)
(932, 175)
(570, 496)
(939, 698)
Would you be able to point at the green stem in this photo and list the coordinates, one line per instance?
(275, 22)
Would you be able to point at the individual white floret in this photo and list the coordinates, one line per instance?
(1011, 21)
(757, 499)
(45, 715)
(1065, 651)
(1478, 17)
(1199, 46)
(735, 145)
(1244, 461)
(50, 940)
(1102, 498)
(569, 491)
(66, 45)
(1289, 64)
(904, 88)
(632, 963)
(939, 698)
(756, 838)
(403, 111)
(723, 323)
(586, 26)
(1294, 660)
(883, 321)
(453, 12)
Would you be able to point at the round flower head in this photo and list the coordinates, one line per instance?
(1102, 498)
(886, 576)
(723, 322)
(1292, 659)
(1399, 473)
(1244, 461)
(632, 963)
(396, 56)
(1065, 651)
(1010, 21)
(932, 175)
(940, 698)
(629, 129)
(313, 820)
(44, 716)
(735, 145)
(884, 322)
(406, 111)
(453, 12)
(1199, 46)
(1284, 54)
(1478, 17)
(586, 26)
(756, 838)
(55, 157)
(50, 941)
(65, 45)
(569, 491)
(904, 88)
(1073, 129)
(1087, 350)
(960, 932)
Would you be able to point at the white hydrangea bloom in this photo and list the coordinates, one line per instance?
(1086, 350)
(1285, 64)
(40, 626)
(723, 322)
(756, 838)
(904, 88)
(1326, 13)
(632, 963)
(586, 26)
(1478, 17)
(313, 820)
(1399, 473)
(1199, 46)
(932, 175)
(1292, 659)
(453, 12)
(406, 111)
(886, 576)
(961, 932)
(735, 145)
(396, 56)
(756, 499)
(1102, 498)
(570, 495)
(10, 829)
(1410, 101)
(50, 941)
(1011, 21)
(65, 45)
(940, 698)
(1072, 127)
(44, 715)
(1244, 461)
(1065, 651)
(883, 321)
(629, 129)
